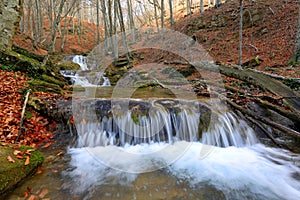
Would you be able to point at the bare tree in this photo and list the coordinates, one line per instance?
(162, 13)
(296, 57)
(241, 34)
(98, 20)
(201, 6)
(171, 13)
(131, 20)
(188, 7)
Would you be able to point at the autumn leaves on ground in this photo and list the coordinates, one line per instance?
(269, 35)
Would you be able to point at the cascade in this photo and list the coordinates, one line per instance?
(191, 141)
(83, 77)
(81, 60)
(119, 123)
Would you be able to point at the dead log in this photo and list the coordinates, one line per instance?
(290, 115)
(264, 120)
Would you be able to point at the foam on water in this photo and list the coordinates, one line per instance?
(252, 172)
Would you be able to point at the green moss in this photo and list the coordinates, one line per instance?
(135, 118)
(39, 85)
(12, 173)
(145, 85)
(68, 65)
(53, 80)
(18, 62)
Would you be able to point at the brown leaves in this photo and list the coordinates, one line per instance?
(27, 161)
(40, 194)
(20, 155)
(34, 129)
(9, 158)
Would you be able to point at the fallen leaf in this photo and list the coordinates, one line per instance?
(40, 170)
(9, 158)
(27, 161)
(16, 152)
(47, 145)
(43, 193)
(33, 197)
(26, 194)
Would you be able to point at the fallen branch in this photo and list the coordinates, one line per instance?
(295, 117)
(272, 10)
(276, 76)
(265, 120)
(251, 45)
(269, 135)
(22, 116)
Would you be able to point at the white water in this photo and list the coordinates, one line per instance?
(253, 172)
(244, 169)
(160, 124)
(82, 61)
(86, 79)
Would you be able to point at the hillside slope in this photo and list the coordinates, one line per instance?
(270, 29)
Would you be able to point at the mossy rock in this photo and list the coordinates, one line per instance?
(68, 65)
(253, 62)
(19, 62)
(12, 173)
(53, 80)
(23, 51)
(147, 84)
(43, 86)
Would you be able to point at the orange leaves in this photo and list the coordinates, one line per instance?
(40, 194)
(20, 155)
(10, 159)
(27, 161)
(35, 127)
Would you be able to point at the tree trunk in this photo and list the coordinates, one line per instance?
(10, 17)
(131, 20)
(296, 57)
(188, 7)
(162, 13)
(241, 34)
(98, 21)
(171, 13)
(201, 6)
(155, 14)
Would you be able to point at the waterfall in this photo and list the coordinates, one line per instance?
(201, 147)
(158, 121)
(82, 61)
(83, 77)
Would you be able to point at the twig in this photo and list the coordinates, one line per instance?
(22, 116)
(272, 10)
(251, 45)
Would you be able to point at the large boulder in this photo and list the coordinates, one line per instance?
(9, 20)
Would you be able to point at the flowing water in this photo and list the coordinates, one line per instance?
(84, 77)
(162, 149)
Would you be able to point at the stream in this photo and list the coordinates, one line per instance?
(219, 165)
(159, 148)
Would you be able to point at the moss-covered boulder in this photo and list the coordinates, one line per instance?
(13, 170)
(43, 86)
(14, 61)
(68, 65)
(53, 80)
